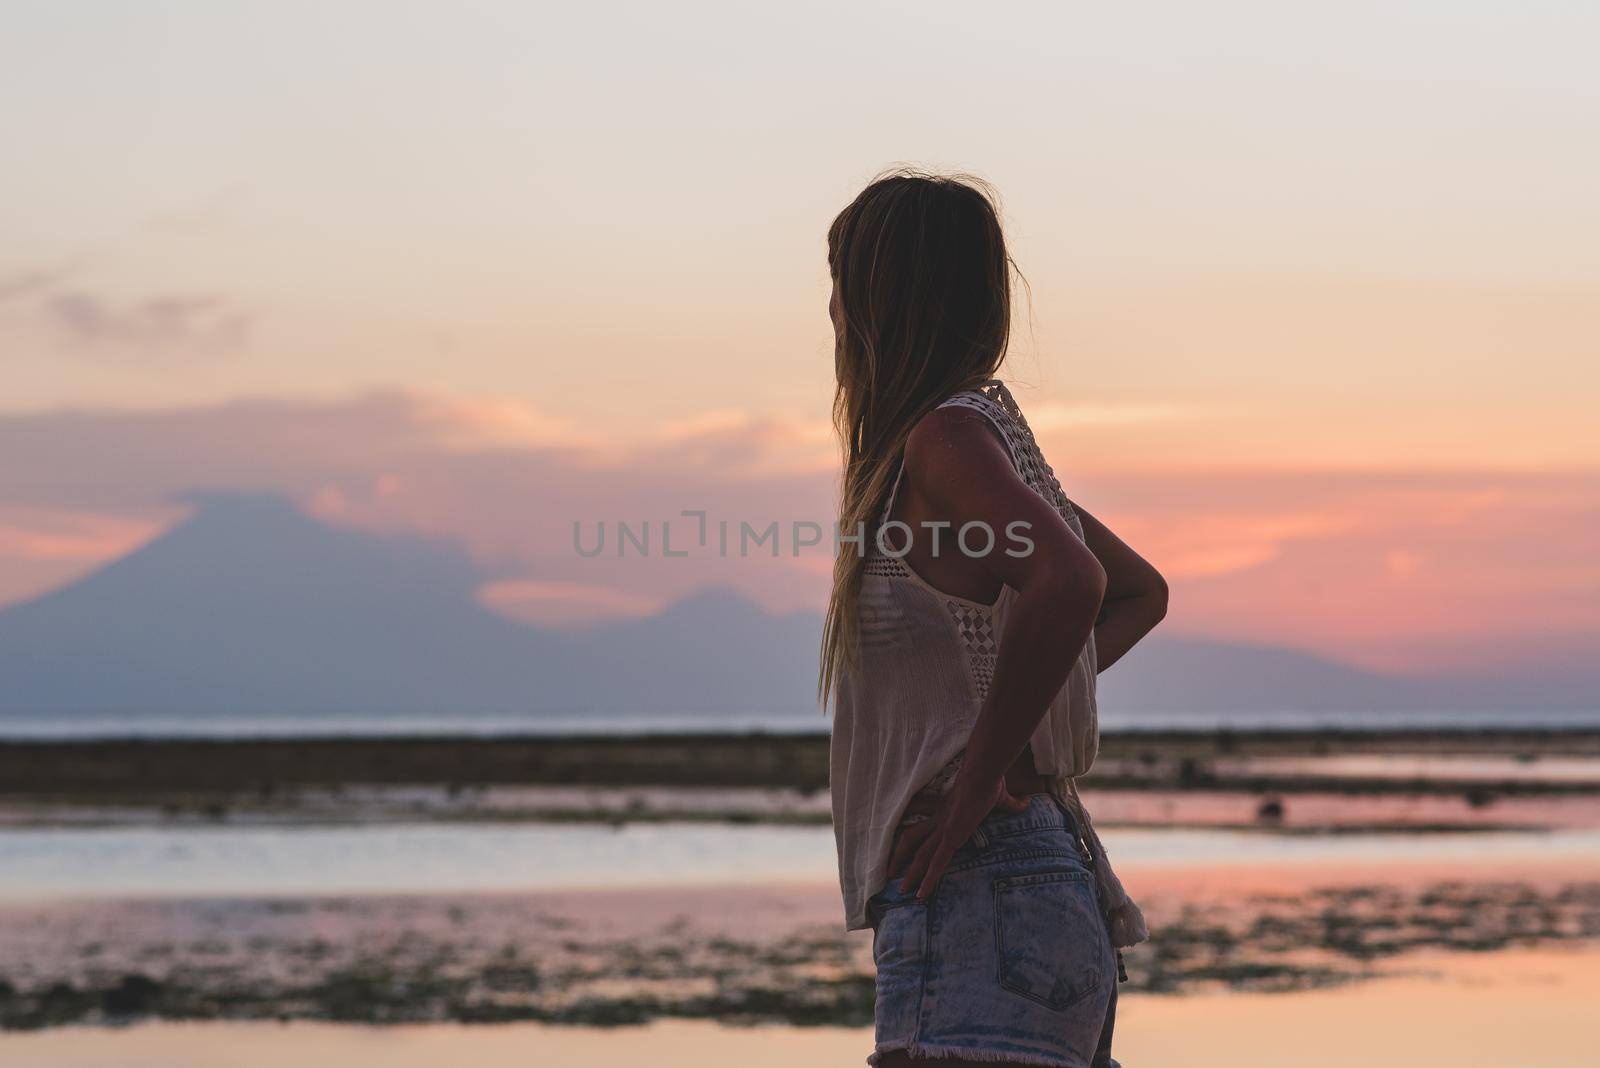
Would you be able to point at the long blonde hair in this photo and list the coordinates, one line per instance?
(923, 280)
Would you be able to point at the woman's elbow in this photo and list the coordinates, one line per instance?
(1082, 585)
(1157, 597)
(1096, 581)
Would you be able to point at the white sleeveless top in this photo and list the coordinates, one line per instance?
(903, 716)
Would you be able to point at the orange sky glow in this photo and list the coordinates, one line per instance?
(1314, 316)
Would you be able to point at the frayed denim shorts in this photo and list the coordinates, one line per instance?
(1008, 960)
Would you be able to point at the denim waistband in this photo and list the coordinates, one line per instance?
(1046, 828)
(1044, 810)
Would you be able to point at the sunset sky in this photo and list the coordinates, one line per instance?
(1315, 315)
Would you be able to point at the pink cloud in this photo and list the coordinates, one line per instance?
(1402, 570)
(41, 548)
(564, 603)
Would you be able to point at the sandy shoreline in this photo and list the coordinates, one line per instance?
(1517, 1007)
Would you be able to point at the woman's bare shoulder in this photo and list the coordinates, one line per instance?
(954, 451)
(953, 434)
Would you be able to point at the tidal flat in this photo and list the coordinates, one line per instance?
(757, 953)
(628, 883)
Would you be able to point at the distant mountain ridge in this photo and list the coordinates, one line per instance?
(250, 607)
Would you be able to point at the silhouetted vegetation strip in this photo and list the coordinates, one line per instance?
(145, 769)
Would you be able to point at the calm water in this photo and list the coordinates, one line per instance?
(44, 863)
(14, 726)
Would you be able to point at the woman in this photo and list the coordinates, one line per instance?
(972, 606)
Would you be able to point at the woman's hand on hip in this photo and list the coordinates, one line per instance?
(929, 844)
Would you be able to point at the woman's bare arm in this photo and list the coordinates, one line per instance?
(1136, 594)
(957, 465)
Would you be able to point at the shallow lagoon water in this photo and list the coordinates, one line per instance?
(155, 724)
(106, 862)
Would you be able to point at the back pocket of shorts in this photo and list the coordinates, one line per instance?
(1050, 937)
